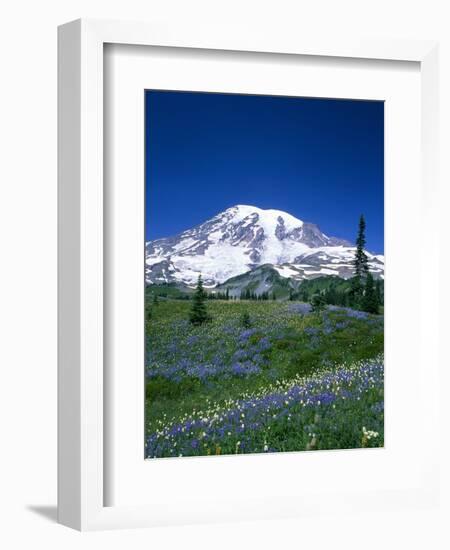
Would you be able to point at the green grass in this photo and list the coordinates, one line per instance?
(283, 345)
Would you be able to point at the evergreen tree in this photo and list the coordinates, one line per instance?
(379, 292)
(361, 262)
(245, 320)
(274, 296)
(347, 302)
(361, 266)
(331, 296)
(370, 300)
(227, 294)
(155, 299)
(198, 314)
(355, 293)
(318, 302)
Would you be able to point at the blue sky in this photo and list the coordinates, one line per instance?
(321, 160)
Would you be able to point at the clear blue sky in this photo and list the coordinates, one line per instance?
(321, 160)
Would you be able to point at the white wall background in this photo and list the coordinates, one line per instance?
(28, 269)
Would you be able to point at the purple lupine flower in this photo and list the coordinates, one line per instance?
(300, 309)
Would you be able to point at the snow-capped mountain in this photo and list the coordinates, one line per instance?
(244, 237)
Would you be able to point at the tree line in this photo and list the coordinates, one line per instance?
(365, 293)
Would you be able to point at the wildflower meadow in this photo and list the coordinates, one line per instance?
(262, 376)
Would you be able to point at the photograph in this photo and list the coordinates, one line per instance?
(264, 274)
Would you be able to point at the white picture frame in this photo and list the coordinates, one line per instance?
(82, 483)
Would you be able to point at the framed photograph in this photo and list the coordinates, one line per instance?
(263, 333)
(236, 218)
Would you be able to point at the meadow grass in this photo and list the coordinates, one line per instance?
(287, 380)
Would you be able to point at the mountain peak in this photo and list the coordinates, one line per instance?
(268, 215)
(238, 240)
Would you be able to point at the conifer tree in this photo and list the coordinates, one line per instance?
(355, 293)
(370, 300)
(198, 314)
(379, 291)
(245, 320)
(361, 266)
(330, 295)
(148, 313)
(318, 302)
(361, 262)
